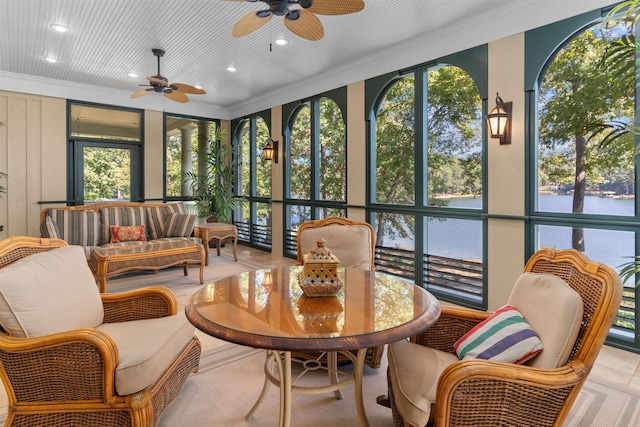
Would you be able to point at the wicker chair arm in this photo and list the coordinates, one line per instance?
(453, 323)
(473, 391)
(145, 303)
(76, 365)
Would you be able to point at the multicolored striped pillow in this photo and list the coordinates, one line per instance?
(503, 337)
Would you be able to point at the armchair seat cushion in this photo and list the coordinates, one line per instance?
(146, 348)
(414, 371)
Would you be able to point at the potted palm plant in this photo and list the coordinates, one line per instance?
(213, 190)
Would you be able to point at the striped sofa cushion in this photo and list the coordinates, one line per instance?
(122, 216)
(503, 337)
(179, 225)
(156, 218)
(48, 228)
(80, 227)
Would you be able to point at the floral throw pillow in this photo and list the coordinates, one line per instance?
(128, 233)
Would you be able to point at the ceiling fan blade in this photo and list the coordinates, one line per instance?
(248, 24)
(139, 93)
(307, 26)
(333, 7)
(177, 96)
(156, 80)
(184, 88)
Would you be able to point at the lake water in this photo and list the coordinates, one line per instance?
(462, 239)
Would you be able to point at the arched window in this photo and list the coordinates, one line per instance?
(583, 184)
(253, 180)
(427, 162)
(316, 169)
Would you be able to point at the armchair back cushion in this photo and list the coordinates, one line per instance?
(351, 244)
(49, 292)
(554, 310)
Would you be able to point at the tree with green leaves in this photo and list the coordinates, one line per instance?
(576, 95)
(453, 145)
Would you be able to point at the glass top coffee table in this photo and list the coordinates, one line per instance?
(110, 261)
(267, 309)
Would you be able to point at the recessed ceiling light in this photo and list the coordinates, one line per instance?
(282, 42)
(133, 75)
(232, 69)
(50, 59)
(60, 28)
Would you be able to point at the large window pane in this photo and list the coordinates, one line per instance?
(454, 139)
(395, 243)
(300, 155)
(453, 257)
(263, 167)
(105, 147)
(244, 159)
(394, 145)
(333, 152)
(584, 164)
(186, 143)
(295, 215)
(90, 122)
(107, 174)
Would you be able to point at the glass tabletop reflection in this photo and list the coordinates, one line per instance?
(268, 309)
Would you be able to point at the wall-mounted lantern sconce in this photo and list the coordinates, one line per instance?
(499, 120)
(270, 151)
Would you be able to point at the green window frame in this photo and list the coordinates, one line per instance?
(92, 128)
(423, 262)
(321, 169)
(252, 182)
(541, 47)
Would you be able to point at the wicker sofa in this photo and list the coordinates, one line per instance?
(90, 226)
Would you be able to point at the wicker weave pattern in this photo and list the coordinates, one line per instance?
(67, 379)
(78, 378)
(66, 419)
(481, 393)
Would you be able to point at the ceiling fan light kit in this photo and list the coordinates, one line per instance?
(159, 84)
(301, 21)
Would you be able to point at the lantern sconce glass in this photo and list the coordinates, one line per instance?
(499, 120)
(270, 150)
(267, 281)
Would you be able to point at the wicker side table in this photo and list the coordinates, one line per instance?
(218, 231)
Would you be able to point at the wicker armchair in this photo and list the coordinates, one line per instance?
(487, 393)
(353, 242)
(69, 378)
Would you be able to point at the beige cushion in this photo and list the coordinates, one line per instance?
(49, 292)
(414, 371)
(146, 348)
(553, 310)
(350, 243)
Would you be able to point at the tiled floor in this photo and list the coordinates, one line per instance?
(618, 366)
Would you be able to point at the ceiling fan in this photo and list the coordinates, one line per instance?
(301, 21)
(159, 84)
